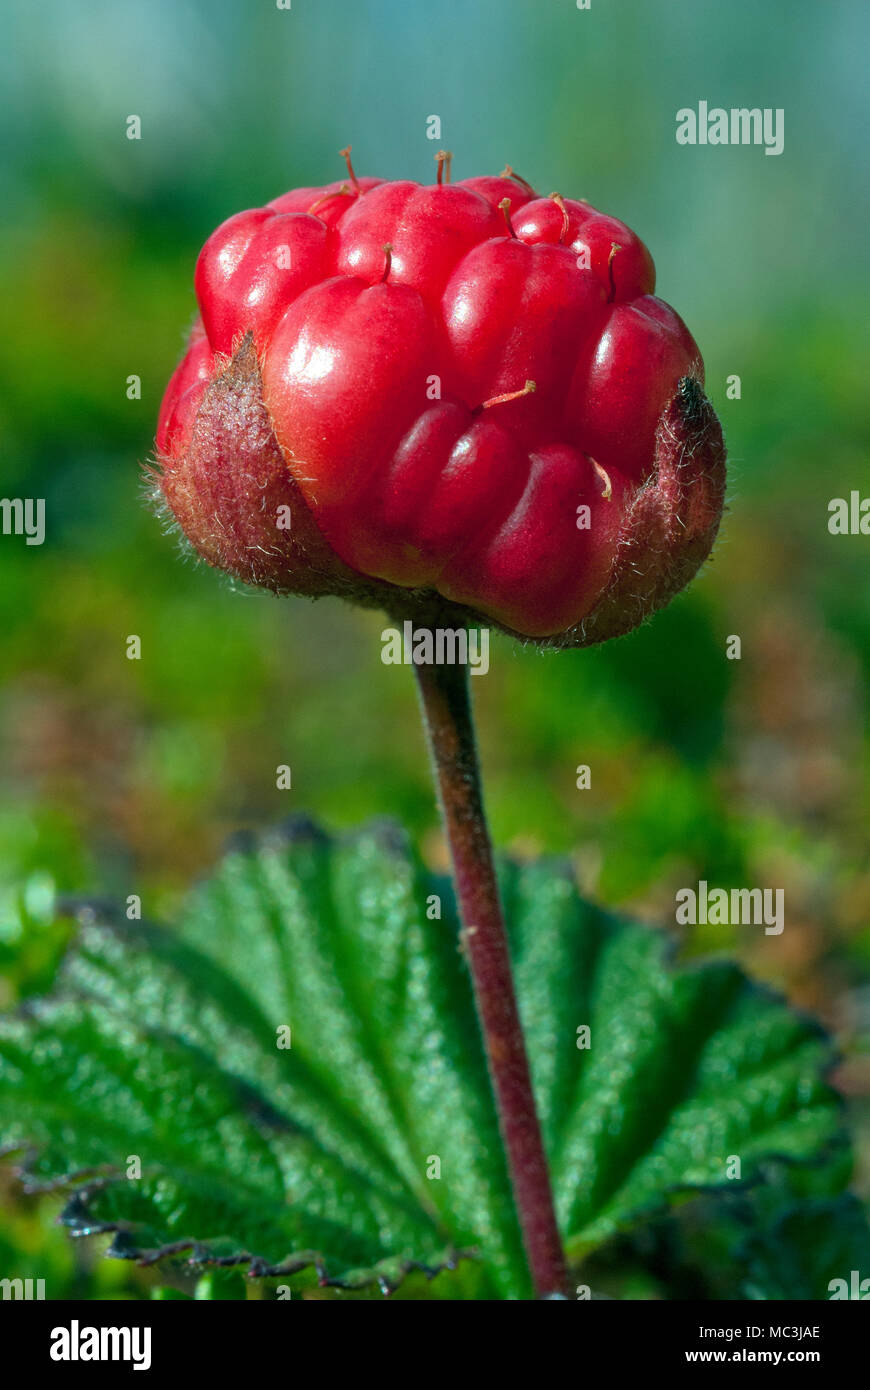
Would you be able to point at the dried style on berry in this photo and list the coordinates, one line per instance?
(462, 398)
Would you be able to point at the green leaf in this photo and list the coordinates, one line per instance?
(805, 1249)
(688, 1068)
(369, 1147)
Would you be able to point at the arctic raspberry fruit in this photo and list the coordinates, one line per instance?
(462, 395)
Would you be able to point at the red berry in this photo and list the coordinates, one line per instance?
(460, 393)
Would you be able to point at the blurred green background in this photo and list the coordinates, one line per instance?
(124, 776)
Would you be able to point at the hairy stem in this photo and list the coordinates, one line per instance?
(444, 693)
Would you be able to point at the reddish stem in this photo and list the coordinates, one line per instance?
(444, 694)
